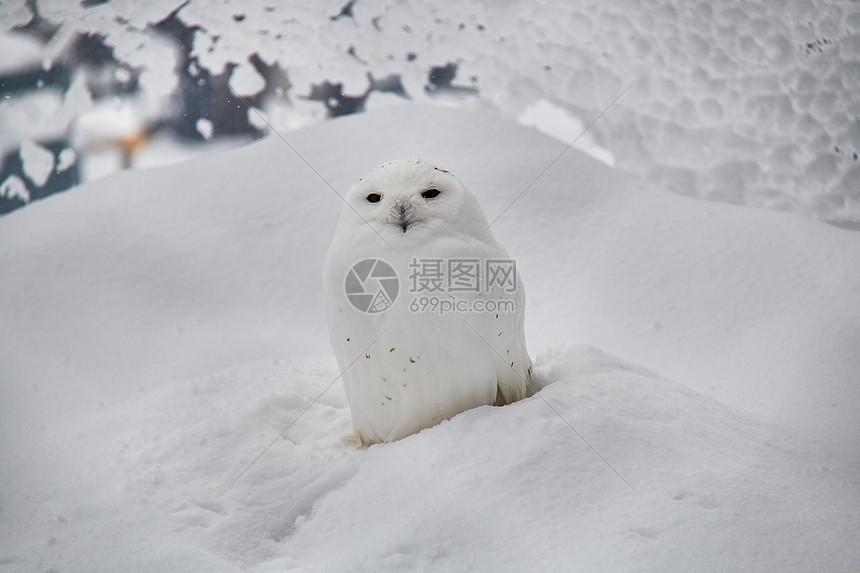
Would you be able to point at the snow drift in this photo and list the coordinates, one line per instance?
(113, 294)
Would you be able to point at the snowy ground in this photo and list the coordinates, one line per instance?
(161, 328)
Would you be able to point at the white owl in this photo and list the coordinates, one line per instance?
(446, 333)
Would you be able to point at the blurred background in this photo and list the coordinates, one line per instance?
(754, 103)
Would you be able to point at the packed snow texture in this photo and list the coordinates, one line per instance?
(743, 102)
(14, 187)
(162, 328)
(36, 162)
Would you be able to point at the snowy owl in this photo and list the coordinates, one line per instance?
(425, 309)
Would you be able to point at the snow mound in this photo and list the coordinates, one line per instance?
(163, 274)
(112, 295)
(503, 489)
(558, 123)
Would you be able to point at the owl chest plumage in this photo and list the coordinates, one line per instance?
(414, 373)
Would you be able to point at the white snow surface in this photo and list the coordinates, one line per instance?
(36, 162)
(14, 187)
(19, 53)
(66, 158)
(162, 327)
(560, 124)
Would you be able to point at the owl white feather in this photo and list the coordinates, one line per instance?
(411, 363)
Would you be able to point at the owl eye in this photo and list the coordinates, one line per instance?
(430, 193)
(374, 197)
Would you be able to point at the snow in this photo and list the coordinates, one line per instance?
(161, 328)
(36, 162)
(66, 158)
(43, 115)
(246, 81)
(735, 101)
(556, 122)
(15, 187)
(205, 127)
(19, 53)
(110, 120)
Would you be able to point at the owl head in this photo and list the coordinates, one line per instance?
(411, 201)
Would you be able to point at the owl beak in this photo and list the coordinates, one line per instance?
(402, 215)
(404, 219)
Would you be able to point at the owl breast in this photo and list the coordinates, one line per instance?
(418, 373)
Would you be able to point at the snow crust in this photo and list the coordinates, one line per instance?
(14, 187)
(740, 102)
(36, 162)
(558, 123)
(19, 52)
(161, 328)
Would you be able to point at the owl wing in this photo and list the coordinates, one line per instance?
(501, 323)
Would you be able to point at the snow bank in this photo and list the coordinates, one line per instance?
(154, 276)
(113, 294)
(19, 53)
(495, 489)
